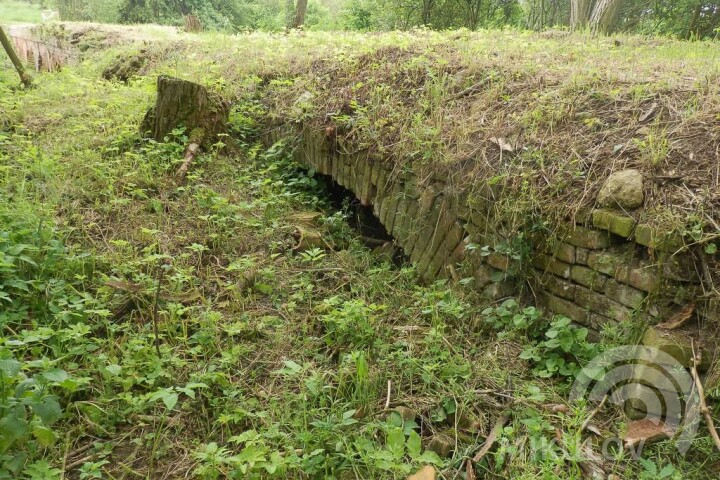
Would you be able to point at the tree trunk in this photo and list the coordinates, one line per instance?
(300, 14)
(603, 15)
(693, 27)
(7, 45)
(579, 14)
(187, 104)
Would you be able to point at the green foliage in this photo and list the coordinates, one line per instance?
(557, 347)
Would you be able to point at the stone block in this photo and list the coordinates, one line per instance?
(680, 268)
(601, 304)
(558, 286)
(657, 240)
(588, 277)
(581, 255)
(552, 265)
(669, 378)
(676, 343)
(614, 221)
(605, 262)
(643, 400)
(565, 252)
(624, 294)
(500, 261)
(644, 278)
(561, 306)
(588, 238)
(440, 247)
(452, 240)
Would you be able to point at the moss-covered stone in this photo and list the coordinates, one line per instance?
(565, 307)
(552, 265)
(644, 278)
(601, 304)
(676, 343)
(587, 238)
(658, 240)
(588, 277)
(605, 262)
(614, 221)
(624, 294)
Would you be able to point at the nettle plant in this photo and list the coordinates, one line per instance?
(557, 347)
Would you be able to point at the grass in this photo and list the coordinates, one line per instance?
(19, 12)
(157, 330)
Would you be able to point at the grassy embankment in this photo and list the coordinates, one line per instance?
(276, 363)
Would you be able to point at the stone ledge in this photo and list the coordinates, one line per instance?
(615, 222)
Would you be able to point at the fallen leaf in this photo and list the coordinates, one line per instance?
(503, 144)
(647, 430)
(679, 319)
(425, 473)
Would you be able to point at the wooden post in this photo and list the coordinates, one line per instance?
(24, 77)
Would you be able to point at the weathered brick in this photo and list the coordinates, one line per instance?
(588, 277)
(669, 378)
(654, 238)
(558, 286)
(565, 252)
(552, 265)
(605, 262)
(599, 303)
(499, 261)
(680, 268)
(581, 255)
(676, 343)
(643, 278)
(587, 238)
(613, 221)
(451, 241)
(624, 294)
(560, 306)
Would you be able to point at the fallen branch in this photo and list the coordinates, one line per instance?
(492, 437)
(7, 45)
(697, 358)
(196, 138)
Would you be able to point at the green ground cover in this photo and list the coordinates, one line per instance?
(152, 329)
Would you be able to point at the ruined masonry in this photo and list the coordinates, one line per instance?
(610, 269)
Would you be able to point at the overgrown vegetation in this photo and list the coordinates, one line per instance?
(689, 19)
(158, 330)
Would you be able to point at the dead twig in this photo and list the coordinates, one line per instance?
(593, 413)
(697, 358)
(492, 437)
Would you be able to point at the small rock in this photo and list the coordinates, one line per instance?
(407, 414)
(623, 189)
(441, 445)
(425, 473)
